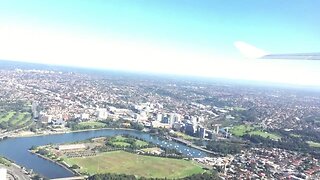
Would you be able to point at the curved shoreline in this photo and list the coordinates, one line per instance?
(127, 129)
(66, 132)
(80, 135)
(56, 162)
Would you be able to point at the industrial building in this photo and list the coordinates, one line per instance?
(71, 147)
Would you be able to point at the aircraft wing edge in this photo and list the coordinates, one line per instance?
(297, 56)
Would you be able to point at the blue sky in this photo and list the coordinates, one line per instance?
(166, 36)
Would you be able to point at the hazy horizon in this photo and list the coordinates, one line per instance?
(193, 78)
(167, 37)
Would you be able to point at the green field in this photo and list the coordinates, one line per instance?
(92, 124)
(313, 144)
(119, 138)
(4, 161)
(141, 143)
(121, 162)
(241, 130)
(126, 142)
(245, 129)
(123, 144)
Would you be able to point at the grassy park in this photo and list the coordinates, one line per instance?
(123, 144)
(122, 141)
(120, 138)
(141, 143)
(142, 166)
(92, 124)
(241, 130)
(4, 161)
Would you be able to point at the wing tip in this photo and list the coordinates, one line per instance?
(249, 51)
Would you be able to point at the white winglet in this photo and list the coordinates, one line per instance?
(249, 51)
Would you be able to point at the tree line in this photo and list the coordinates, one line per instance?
(109, 176)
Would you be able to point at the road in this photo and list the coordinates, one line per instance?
(16, 173)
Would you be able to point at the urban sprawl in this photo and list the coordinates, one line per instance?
(249, 132)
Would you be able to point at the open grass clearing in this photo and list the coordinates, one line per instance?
(142, 166)
(120, 138)
(241, 130)
(4, 161)
(123, 144)
(122, 141)
(93, 124)
(141, 143)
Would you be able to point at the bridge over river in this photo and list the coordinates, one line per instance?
(188, 143)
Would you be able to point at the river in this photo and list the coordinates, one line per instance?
(16, 149)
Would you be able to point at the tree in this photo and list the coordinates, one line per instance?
(224, 147)
(33, 148)
(136, 126)
(33, 129)
(75, 166)
(110, 176)
(204, 176)
(43, 152)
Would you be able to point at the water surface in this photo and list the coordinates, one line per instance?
(16, 149)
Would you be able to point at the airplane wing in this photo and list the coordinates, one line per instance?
(296, 56)
(253, 52)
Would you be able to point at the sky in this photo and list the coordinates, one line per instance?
(184, 37)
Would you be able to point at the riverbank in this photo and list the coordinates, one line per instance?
(179, 140)
(87, 160)
(16, 149)
(57, 163)
(15, 171)
(65, 132)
